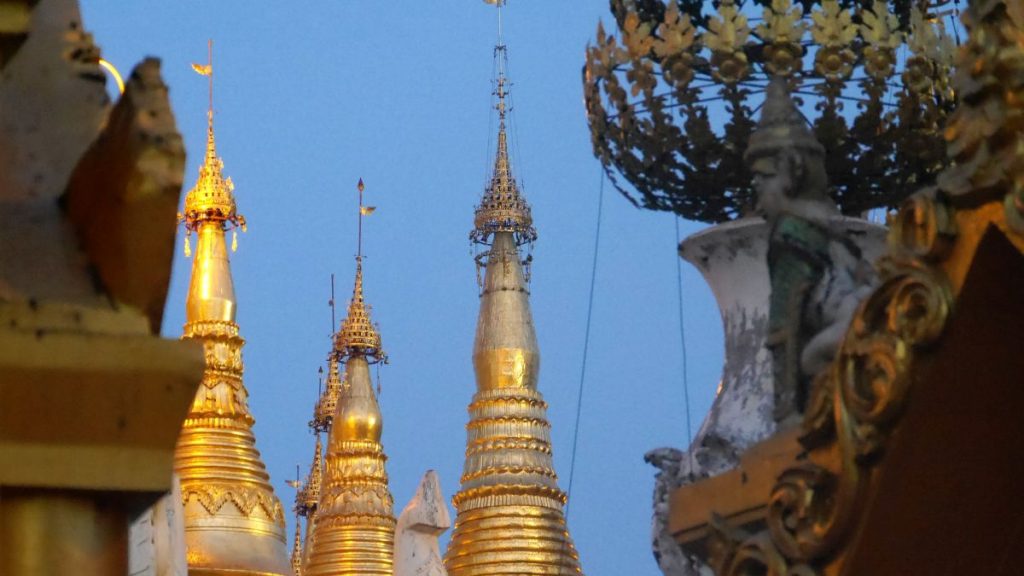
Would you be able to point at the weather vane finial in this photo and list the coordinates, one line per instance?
(207, 70)
(363, 211)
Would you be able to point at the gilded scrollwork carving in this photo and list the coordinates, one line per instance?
(872, 387)
(733, 552)
(984, 137)
(805, 513)
(924, 227)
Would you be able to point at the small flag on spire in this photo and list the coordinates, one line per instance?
(203, 69)
(367, 210)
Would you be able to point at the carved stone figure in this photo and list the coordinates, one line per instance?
(817, 274)
(422, 521)
(752, 265)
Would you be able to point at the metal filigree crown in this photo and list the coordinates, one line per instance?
(358, 336)
(503, 208)
(671, 100)
(212, 199)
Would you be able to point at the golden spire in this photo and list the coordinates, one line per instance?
(510, 517)
(502, 208)
(233, 521)
(300, 511)
(311, 489)
(355, 523)
(327, 404)
(297, 548)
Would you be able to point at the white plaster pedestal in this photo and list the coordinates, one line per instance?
(732, 257)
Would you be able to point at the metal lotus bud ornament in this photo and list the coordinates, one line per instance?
(671, 99)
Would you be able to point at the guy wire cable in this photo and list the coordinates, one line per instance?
(586, 346)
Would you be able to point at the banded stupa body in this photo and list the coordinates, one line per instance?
(354, 526)
(510, 517)
(234, 523)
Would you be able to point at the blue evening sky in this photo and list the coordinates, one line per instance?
(311, 96)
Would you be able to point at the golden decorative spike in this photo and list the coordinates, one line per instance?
(327, 404)
(297, 548)
(510, 516)
(311, 491)
(355, 524)
(233, 520)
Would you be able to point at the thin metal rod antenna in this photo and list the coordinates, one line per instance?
(503, 59)
(500, 42)
(333, 320)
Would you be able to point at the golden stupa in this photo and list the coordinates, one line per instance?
(354, 524)
(510, 509)
(234, 524)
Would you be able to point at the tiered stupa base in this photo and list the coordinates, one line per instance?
(512, 540)
(353, 550)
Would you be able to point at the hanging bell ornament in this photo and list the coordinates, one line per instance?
(188, 247)
(234, 240)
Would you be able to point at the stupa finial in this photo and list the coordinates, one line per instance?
(358, 336)
(212, 199)
(502, 208)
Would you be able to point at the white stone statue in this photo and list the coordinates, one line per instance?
(422, 521)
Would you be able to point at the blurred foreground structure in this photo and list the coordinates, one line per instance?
(91, 399)
(867, 419)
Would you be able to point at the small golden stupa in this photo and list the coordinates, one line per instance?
(234, 523)
(510, 509)
(354, 525)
